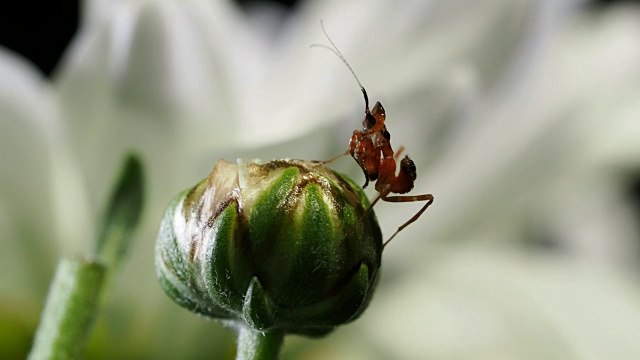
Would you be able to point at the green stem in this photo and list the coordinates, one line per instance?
(75, 293)
(68, 315)
(255, 345)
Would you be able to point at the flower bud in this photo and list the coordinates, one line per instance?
(283, 245)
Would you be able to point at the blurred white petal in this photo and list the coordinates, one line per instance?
(538, 137)
(543, 163)
(157, 88)
(491, 303)
(25, 169)
(514, 112)
(42, 206)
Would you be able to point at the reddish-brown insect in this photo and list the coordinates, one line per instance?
(371, 149)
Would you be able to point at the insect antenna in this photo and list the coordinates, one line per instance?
(334, 49)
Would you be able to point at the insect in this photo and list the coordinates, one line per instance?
(371, 149)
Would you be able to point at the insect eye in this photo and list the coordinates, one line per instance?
(369, 121)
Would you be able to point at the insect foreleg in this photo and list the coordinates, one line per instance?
(398, 153)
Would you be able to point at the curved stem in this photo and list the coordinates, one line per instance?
(76, 291)
(255, 345)
(71, 307)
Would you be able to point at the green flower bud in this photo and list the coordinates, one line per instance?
(284, 245)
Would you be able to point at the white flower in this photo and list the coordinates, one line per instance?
(517, 114)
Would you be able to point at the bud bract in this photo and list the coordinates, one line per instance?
(285, 245)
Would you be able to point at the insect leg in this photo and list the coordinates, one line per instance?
(398, 153)
(335, 158)
(381, 195)
(426, 197)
